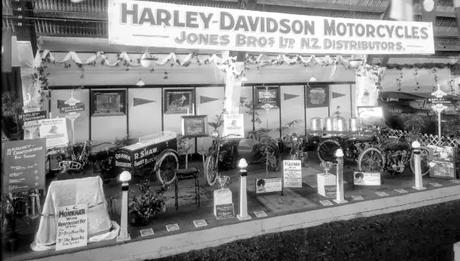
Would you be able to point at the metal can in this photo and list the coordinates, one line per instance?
(329, 126)
(338, 124)
(354, 124)
(317, 124)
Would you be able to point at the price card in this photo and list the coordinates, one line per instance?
(435, 184)
(260, 214)
(401, 191)
(72, 227)
(172, 227)
(326, 203)
(357, 197)
(200, 223)
(146, 232)
(382, 194)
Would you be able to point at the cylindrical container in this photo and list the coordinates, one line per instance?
(338, 124)
(329, 126)
(317, 124)
(354, 124)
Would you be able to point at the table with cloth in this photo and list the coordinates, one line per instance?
(87, 191)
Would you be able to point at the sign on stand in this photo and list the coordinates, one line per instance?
(233, 126)
(32, 124)
(292, 173)
(23, 165)
(268, 185)
(55, 132)
(68, 108)
(72, 227)
(367, 178)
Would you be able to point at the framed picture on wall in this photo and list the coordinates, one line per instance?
(317, 96)
(178, 101)
(195, 126)
(108, 102)
(370, 115)
(267, 95)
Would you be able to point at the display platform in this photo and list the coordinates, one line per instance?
(191, 227)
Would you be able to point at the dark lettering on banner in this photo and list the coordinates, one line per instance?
(182, 26)
(24, 165)
(34, 116)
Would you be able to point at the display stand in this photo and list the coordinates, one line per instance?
(222, 197)
(326, 184)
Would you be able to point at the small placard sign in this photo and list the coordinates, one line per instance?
(72, 227)
(367, 178)
(225, 211)
(200, 223)
(146, 232)
(269, 185)
(292, 173)
(260, 214)
(34, 116)
(172, 227)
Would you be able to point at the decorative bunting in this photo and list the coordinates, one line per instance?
(205, 99)
(140, 101)
(337, 95)
(288, 96)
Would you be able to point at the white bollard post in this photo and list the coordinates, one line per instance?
(340, 197)
(242, 164)
(417, 166)
(125, 177)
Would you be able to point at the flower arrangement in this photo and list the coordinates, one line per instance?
(145, 203)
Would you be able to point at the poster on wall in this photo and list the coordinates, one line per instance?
(72, 227)
(178, 101)
(23, 165)
(233, 126)
(317, 96)
(267, 96)
(55, 132)
(105, 103)
(195, 126)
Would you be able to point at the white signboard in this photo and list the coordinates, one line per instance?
(292, 173)
(367, 178)
(72, 227)
(269, 185)
(143, 23)
(55, 132)
(233, 126)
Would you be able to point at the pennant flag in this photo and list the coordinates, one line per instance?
(204, 99)
(288, 96)
(337, 95)
(140, 101)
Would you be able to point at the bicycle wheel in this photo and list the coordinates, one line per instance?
(425, 154)
(166, 167)
(371, 160)
(210, 170)
(326, 150)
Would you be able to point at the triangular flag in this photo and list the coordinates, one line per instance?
(204, 99)
(337, 95)
(288, 96)
(140, 101)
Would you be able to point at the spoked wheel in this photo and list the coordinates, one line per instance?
(166, 167)
(211, 170)
(326, 150)
(425, 154)
(371, 160)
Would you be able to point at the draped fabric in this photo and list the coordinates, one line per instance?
(61, 193)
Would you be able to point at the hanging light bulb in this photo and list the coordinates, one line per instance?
(140, 83)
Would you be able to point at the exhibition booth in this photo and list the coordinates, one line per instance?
(125, 150)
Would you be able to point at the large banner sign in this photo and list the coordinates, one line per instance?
(143, 23)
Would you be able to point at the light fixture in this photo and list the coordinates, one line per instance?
(313, 79)
(140, 83)
(244, 79)
(214, 134)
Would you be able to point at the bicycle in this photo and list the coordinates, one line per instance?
(217, 155)
(352, 146)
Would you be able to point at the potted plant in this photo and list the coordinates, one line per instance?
(145, 203)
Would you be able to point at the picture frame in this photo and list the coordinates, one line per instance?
(178, 101)
(108, 102)
(267, 95)
(444, 161)
(317, 96)
(195, 126)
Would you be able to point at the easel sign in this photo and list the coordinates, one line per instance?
(269, 185)
(55, 132)
(195, 126)
(292, 174)
(72, 227)
(367, 178)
